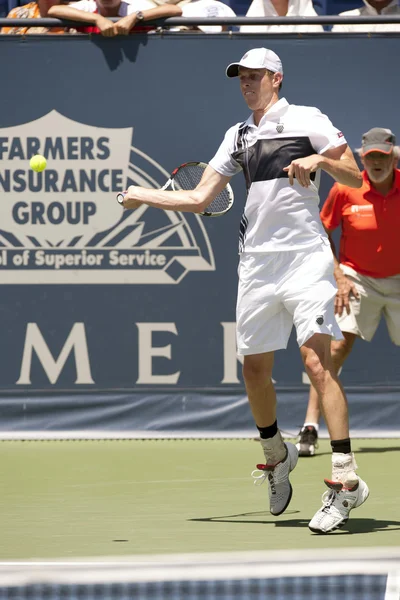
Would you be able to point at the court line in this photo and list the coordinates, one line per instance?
(393, 586)
(206, 566)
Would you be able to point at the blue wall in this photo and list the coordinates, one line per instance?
(155, 102)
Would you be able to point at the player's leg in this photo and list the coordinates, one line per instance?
(263, 326)
(308, 435)
(347, 489)
(362, 321)
(319, 366)
(280, 457)
(312, 303)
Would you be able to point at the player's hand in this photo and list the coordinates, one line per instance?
(106, 26)
(301, 169)
(124, 25)
(131, 200)
(346, 289)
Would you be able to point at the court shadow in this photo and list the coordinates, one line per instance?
(378, 450)
(355, 526)
(264, 518)
(316, 455)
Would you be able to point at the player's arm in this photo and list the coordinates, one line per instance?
(196, 201)
(338, 162)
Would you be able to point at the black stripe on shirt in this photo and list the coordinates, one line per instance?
(266, 159)
(242, 231)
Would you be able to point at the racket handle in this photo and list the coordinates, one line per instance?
(120, 198)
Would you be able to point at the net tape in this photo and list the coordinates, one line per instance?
(347, 574)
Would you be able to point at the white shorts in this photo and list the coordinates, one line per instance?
(280, 289)
(378, 297)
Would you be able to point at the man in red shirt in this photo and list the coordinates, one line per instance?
(368, 270)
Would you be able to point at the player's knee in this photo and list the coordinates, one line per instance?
(313, 365)
(256, 370)
(340, 350)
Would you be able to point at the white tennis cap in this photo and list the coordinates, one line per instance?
(258, 58)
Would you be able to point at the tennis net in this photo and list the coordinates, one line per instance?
(344, 575)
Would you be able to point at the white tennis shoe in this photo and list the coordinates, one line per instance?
(279, 487)
(337, 502)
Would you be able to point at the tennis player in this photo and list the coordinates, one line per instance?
(285, 268)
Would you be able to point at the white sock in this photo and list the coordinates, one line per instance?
(344, 469)
(315, 425)
(274, 449)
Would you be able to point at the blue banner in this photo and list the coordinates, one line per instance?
(98, 299)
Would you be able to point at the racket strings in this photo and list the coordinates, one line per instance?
(188, 177)
(220, 203)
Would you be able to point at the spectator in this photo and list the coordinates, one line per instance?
(281, 8)
(200, 8)
(371, 9)
(134, 14)
(207, 8)
(33, 10)
(368, 270)
(96, 12)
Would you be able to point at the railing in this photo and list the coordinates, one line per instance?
(230, 21)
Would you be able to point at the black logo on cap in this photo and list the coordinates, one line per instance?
(280, 127)
(319, 320)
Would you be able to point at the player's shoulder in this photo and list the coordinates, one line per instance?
(239, 125)
(234, 129)
(305, 111)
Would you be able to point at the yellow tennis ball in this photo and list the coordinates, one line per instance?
(38, 163)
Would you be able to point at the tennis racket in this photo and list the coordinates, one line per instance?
(187, 177)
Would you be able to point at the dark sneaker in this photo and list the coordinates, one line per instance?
(308, 441)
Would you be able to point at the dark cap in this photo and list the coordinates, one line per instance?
(378, 139)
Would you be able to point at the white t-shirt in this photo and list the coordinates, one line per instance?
(297, 8)
(367, 11)
(277, 216)
(126, 8)
(207, 8)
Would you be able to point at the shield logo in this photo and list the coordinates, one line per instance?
(280, 127)
(63, 225)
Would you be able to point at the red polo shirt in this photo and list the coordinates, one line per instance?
(370, 239)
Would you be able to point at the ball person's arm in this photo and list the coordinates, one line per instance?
(338, 162)
(196, 201)
(346, 287)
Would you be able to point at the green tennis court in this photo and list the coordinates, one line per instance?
(71, 499)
